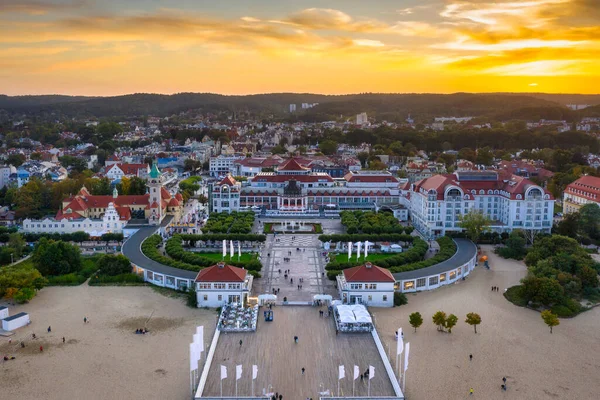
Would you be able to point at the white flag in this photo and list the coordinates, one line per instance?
(238, 372)
(358, 250)
(254, 371)
(371, 372)
(239, 248)
(406, 356)
(193, 357)
(231, 248)
(223, 372)
(400, 344)
(366, 249)
(197, 347)
(342, 373)
(200, 331)
(349, 250)
(224, 248)
(356, 372)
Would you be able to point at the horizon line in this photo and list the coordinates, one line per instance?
(300, 93)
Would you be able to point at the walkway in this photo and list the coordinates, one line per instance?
(308, 264)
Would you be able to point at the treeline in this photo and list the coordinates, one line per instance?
(217, 237)
(362, 237)
(77, 237)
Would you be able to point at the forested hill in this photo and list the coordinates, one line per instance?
(393, 107)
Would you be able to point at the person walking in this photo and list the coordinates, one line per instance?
(241, 342)
(504, 379)
(471, 392)
(49, 329)
(85, 320)
(470, 357)
(303, 370)
(296, 339)
(63, 339)
(41, 349)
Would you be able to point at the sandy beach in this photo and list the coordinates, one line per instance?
(511, 341)
(103, 359)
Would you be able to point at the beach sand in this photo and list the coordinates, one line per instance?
(103, 359)
(511, 341)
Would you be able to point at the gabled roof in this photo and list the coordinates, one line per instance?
(228, 180)
(291, 165)
(368, 273)
(221, 273)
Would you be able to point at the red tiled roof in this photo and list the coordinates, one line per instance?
(224, 273)
(179, 197)
(350, 177)
(362, 273)
(284, 178)
(124, 213)
(61, 215)
(587, 187)
(291, 165)
(174, 202)
(228, 180)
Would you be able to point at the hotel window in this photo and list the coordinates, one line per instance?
(442, 277)
(370, 297)
(205, 297)
(356, 286)
(421, 282)
(433, 280)
(219, 298)
(452, 275)
(384, 297)
(408, 285)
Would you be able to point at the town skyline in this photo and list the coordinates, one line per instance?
(104, 49)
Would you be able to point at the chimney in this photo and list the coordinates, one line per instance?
(368, 265)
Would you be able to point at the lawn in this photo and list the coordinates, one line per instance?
(219, 256)
(343, 258)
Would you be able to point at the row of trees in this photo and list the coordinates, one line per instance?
(191, 238)
(370, 222)
(443, 322)
(371, 237)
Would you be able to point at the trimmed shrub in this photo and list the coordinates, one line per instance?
(400, 299)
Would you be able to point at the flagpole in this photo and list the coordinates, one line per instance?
(353, 380)
(236, 388)
(404, 382)
(338, 388)
(221, 387)
(252, 387)
(369, 387)
(191, 384)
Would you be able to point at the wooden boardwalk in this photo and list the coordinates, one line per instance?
(280, 360)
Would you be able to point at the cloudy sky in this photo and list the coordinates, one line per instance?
(113, 47)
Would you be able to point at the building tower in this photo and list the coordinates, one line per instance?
(155, 200)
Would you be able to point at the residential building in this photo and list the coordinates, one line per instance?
(5, 173)
(115, 172)
(526, 170)
(292, 108)
(511, 202)
(223, 164)
(225, 195)
(367, 284)
(362, 119)
(585, 190)
(222, 284)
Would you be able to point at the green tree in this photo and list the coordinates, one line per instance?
(328, 147)
(191, 164)
(439, 319)
(24, 295)
(589, 221)
(16, 243)
(15, 160)
(113, 265)
(569, 226)
(137, 186)
(550, 319)
(80, 237)
(467, 153)
(54, 258)
(474, 223)
(363, 157)
(484, 156)
(451, 322)
(278, 150)
(515, 246)
(473, 319)
(415, 320)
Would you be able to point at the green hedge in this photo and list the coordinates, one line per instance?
(370, 222)
(413, 254)
(361, 237)
(447, 250)
(218, 237)
(88, 267)
(149, 248)
(175, 250)
(235, 222)
(117, 280)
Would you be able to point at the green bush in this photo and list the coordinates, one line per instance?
(24, 295)
(235, 222)
(191, 298)
(370, 222)
(361, 237)
(516, 296)
(113, 265)
(563, 311)
(128, 279)
(400, 299)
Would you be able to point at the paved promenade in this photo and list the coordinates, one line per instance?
(280, 361)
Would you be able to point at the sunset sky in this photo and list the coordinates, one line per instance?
(110, 47)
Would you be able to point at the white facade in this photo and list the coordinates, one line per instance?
(5, 172)
(376, 294)
(292, 108)
(223, 165)
(16, 321)
(216, 294)
(362, 119)
(435, 213)
(110, 222)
